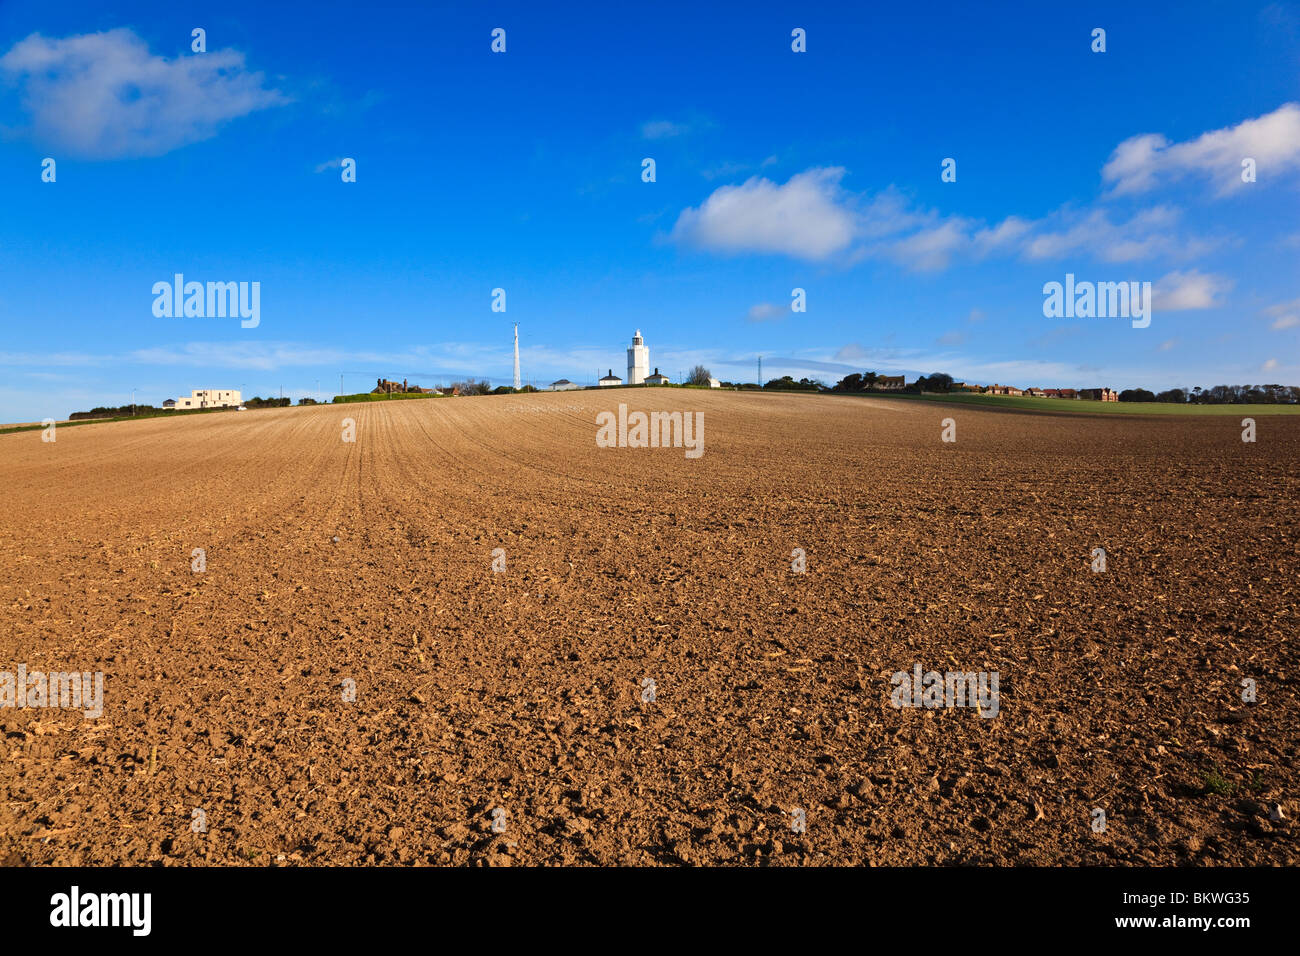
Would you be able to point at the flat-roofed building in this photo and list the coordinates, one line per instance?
(208, 398)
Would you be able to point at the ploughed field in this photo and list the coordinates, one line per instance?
(649, 681)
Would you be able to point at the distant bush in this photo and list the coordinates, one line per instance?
(787, 384)
(121, 411)
(473, 386)
(855, 382)
(381, 397)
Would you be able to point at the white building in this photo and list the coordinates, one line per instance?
(714, 383)
(564, 385)
(657, 379)
(610, 379)
(208, 398)
(638, 360)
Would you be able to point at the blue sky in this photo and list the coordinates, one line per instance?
(775, 170)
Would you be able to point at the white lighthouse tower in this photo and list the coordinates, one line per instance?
(516, 356)
(638, 360)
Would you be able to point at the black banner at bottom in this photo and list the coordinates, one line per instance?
(942, 905)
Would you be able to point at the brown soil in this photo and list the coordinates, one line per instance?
(523, 690)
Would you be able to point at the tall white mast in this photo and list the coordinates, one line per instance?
(516, 356)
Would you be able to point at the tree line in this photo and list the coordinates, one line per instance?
(256, 402)
(1218, 395)
(120, 411)
(934, 382)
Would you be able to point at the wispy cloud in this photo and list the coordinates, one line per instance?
(812, 217)
(1179, 291)
(1147, 234)
(1145, 162)
(1286, 315)
(729, 169)
(1054, 336)
(48, 359)
(662, 129)
(105, 96)
(765, 312)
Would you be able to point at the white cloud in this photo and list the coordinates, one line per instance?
(1145, 162)
(932, 248)
(811, 217)
(47, 359)
(1180, 291)
(1005, 234)
(662, 129)
(1269, 365)
(889, 213)
(1287, 314)
(1147, 234)
(104, 95)
(765, 311)
(729, 168)
(263, 356)
(806, 218)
